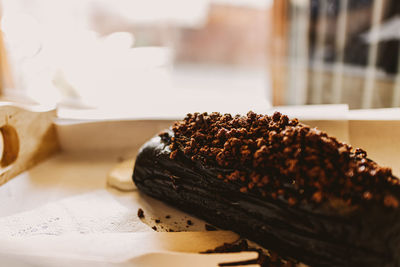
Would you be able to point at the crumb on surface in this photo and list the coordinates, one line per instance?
(265, 259)
(210, 227)
(140, 213)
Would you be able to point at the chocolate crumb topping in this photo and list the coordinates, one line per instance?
(157, 221)
(278, 157)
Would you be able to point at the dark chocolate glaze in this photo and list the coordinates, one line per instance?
(327, 234)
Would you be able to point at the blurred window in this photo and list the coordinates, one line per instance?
(139, 58)
(339, 51)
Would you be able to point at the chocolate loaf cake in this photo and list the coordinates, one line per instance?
(280, 183)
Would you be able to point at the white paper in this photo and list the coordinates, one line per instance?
(96, 212)
(114, 247)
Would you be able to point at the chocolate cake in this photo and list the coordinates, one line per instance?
(289, 187)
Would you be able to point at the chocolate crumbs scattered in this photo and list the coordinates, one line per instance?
(157, 221)
(167, 216)
(209, 227)
(270, 259)
(154, 228)
(278, 157)
(241, 245)
(140, 213)
(189, 222)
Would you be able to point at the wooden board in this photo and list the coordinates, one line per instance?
(28, 136)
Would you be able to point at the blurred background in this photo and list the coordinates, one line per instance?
(131, 58)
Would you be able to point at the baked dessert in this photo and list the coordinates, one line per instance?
(280, 183)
